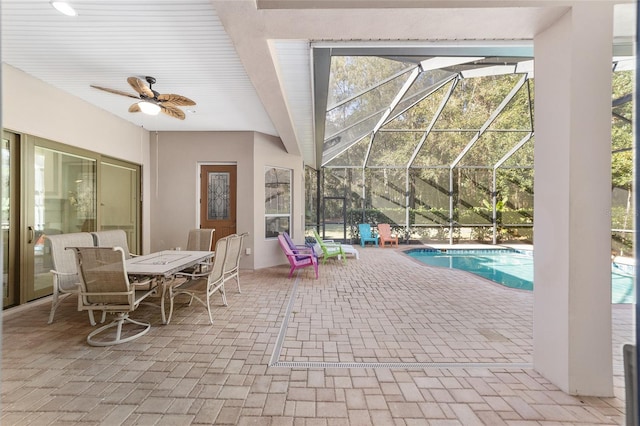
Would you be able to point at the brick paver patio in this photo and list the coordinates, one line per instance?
(380, 341)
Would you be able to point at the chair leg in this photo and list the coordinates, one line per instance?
(171, 295)
(224, 295)
(209, 308)
(57, 299)
(237, 277)
(92, 319)
(121, 318)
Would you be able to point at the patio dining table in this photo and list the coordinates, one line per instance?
(164, 265)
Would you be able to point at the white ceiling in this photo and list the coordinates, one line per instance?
(246, 63)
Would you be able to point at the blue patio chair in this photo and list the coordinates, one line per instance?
(366, 234)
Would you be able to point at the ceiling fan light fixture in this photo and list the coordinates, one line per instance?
(149, 108)
(64, 7)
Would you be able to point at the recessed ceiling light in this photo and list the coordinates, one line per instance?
(64, 8)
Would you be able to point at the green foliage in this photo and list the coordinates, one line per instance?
(622, 132)
(380, 193)
(500, 204)
(620, 218)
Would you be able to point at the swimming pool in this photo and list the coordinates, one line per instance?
(512, 268)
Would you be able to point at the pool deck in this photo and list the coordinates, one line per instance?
(382, 340)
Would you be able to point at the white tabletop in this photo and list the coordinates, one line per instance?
(165, 263)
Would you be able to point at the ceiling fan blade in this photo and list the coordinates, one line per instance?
(134, 108)
(139, 86)
(172, 110)
(176, 99)
(117, 92)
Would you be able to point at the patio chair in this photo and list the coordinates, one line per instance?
(366, 235)
(298, 259)
(104, 286)
(330, 249)
(296, 248)
(65, 271)
(202, 286)
(113, 238)
(384, 231)
(232, 262)
(200, 240)
(118, 238)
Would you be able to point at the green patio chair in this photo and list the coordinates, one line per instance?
(330, 249)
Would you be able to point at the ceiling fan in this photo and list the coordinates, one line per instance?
(150, 101)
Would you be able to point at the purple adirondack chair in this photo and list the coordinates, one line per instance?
(299, 259)
(296, 248)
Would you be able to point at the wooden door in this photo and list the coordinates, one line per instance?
(218, 200)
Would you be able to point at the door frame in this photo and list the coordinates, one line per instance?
(10, 235)
(198, 189)
(344, 216)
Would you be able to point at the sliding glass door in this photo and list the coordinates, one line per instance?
(62, 198)
(49, 188)
(119, 200)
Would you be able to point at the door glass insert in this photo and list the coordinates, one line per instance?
(218, 200)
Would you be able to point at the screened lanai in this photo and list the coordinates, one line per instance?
(441, 147)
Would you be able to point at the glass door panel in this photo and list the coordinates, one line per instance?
(9, 207)
(119, 201)
(63, 201)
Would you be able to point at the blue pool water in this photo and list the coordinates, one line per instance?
(512, 268)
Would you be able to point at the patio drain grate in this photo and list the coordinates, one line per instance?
(402, 365)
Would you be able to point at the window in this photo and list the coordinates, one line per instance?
(277, 201)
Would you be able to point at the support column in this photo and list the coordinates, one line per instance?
(572, 236)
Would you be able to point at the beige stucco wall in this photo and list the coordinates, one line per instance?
(32, 107)
(176, 158)
(269, 152)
